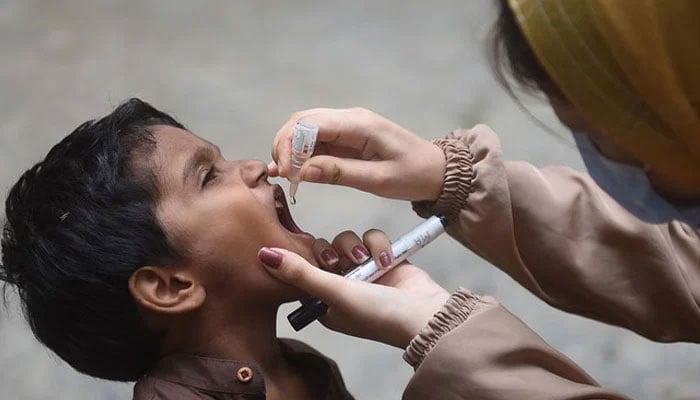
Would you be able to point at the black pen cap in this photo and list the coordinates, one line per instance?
(307, 314)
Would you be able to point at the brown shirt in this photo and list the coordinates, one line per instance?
(187, 376)
(539, 225)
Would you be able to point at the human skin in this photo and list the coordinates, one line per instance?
(219, 300)
(361, 149)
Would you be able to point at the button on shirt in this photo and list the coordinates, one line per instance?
(187, 376)
(244, 375)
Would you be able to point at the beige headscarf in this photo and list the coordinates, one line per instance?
(631, 68)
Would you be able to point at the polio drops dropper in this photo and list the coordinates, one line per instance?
(303, 144)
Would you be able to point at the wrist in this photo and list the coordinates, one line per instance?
(434, 172)
(457, 182)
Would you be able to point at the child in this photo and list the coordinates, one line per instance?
(133, 246)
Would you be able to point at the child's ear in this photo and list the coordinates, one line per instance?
(166, 290)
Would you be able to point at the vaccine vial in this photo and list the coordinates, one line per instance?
(303, 144)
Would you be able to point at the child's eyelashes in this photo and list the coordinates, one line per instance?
(210, 176)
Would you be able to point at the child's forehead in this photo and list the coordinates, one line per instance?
(174, 146)
(172, 140)
(167, 143)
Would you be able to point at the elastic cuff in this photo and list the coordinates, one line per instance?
(457, 184)
(457, 309)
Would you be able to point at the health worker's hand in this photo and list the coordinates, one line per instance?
(361, 149)
(392, 310)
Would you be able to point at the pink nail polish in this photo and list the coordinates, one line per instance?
(270, 258)
(360, 253)
(330, 257)
(385, 259)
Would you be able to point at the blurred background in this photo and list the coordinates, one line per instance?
(233, 72)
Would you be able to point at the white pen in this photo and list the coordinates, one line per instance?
(370, 271)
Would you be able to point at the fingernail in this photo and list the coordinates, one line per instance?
(330, 257)
(385, 259)
(360, 253)
(270, 258)
(313, 174)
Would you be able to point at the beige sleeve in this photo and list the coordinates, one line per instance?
(558, 234)
(475, 349)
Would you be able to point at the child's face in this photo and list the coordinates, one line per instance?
(219, 213)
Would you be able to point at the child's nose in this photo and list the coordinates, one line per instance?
(254, 172)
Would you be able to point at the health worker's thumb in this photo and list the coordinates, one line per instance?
(359, 174)
(294, 270)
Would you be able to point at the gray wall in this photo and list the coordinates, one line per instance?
(233, 72)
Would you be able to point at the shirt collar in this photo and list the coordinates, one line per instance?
(225, 376)
(210, 374)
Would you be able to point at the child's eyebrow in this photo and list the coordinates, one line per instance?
(200, 155)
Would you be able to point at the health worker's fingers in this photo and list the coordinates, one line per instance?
(387, 314)
(326, 255)
(367, 176)
(272, 170)
(282, 147)
(294, 270)
(379, 245)
(349, 128)
(282, 143)
(349, 245)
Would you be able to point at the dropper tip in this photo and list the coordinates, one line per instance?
(293, 192)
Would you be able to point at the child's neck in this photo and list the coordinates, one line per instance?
(248, 335)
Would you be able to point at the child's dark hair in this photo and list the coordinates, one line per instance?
(78, 224)
(512, 56)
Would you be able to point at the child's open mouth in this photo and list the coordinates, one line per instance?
(283, 213)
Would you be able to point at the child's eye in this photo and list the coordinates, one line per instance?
(209, 177)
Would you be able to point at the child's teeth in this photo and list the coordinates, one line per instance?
(278, 204)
